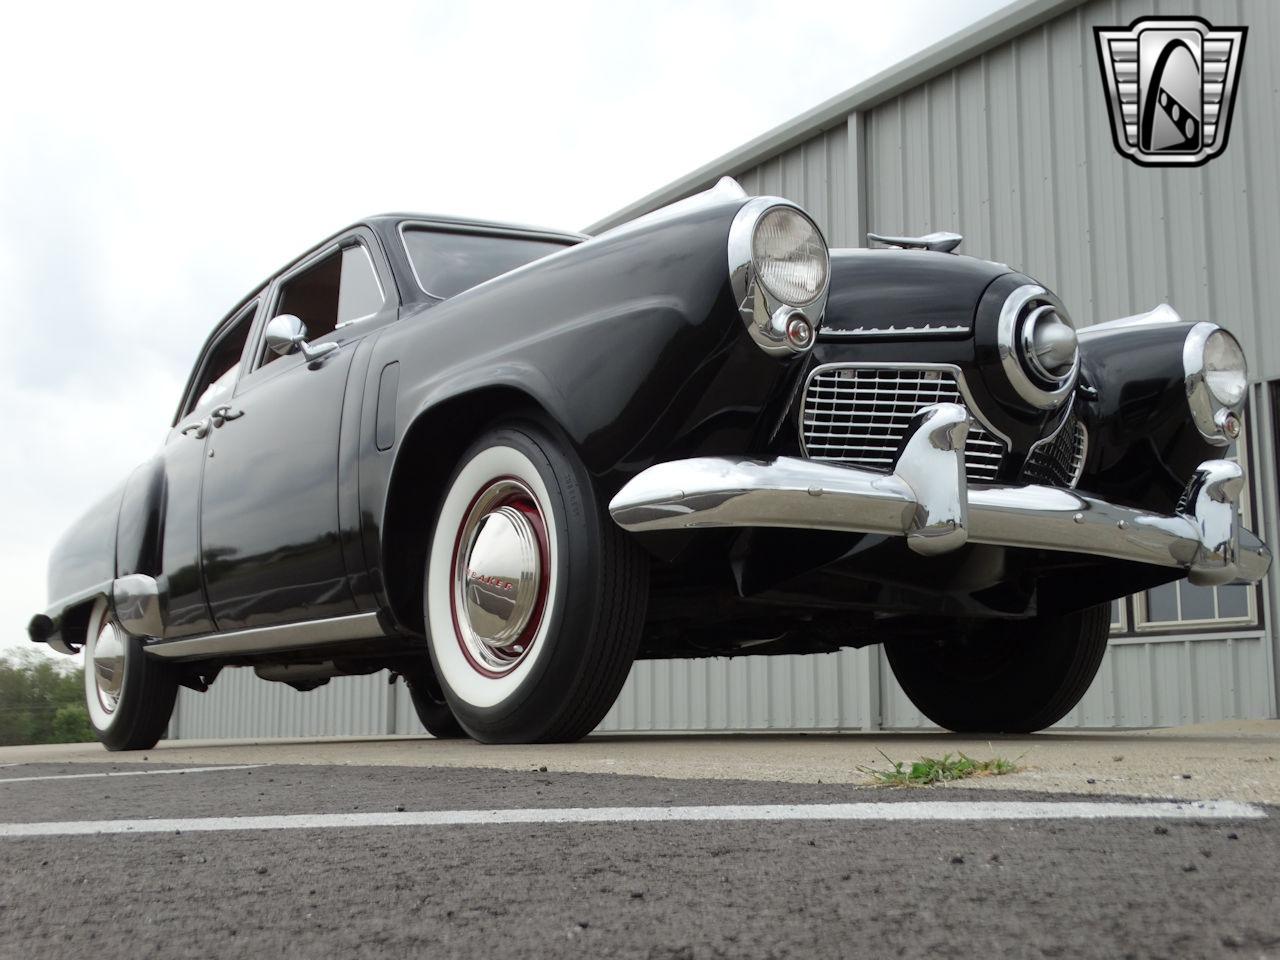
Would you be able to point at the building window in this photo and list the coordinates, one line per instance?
(1119, 617)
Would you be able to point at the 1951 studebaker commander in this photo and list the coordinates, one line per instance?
(504, 463)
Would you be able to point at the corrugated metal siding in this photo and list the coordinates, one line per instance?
(1142, 683)
(815, 175)
(1013, 149)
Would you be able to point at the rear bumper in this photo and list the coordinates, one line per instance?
(135, 599)
(927, 500)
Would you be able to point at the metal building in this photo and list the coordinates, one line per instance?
(1000, 133)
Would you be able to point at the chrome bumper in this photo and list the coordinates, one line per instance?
(927, 499)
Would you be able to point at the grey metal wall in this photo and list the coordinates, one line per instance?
(1013, 149)
(1156, 682)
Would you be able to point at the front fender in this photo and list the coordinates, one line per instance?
(1143, 443)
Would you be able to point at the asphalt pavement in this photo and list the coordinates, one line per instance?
(1093, 877)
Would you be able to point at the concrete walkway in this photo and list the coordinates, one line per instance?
(1235, 760)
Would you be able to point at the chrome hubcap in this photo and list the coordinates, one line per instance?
(499, 587)
(108, 666)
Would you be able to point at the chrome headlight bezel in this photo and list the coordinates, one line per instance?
(778, 327)
(1044, 390)
(1208, 411)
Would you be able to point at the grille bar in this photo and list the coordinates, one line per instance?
(1059, 461)
(860, 415)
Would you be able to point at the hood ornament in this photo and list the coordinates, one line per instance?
(940, 242)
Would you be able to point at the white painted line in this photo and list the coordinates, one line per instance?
(907, 810)
(129, 773)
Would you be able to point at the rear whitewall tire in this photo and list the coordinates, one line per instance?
(129, 705)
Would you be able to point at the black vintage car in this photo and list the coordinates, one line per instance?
(504, 463)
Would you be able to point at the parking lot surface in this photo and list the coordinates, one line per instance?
(362, 853)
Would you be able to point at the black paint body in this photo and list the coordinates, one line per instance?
(317, 502)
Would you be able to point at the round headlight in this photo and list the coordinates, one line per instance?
(1225, 369)
(1217, 380)
(790, 257)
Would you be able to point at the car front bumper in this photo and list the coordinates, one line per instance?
(927, 499)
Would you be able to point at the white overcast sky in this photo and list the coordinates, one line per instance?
(156, 161)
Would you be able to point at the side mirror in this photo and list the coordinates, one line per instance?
(287, 332)
(284, 333)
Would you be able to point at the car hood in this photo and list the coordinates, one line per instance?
(905, 293)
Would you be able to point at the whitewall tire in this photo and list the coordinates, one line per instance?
(129, 696)
(534, 598)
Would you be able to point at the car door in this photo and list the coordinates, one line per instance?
(270, 528)
(183, 457)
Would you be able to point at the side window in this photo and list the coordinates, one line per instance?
(221, 364)
(339, 289)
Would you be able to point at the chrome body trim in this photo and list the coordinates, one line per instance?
(1200, 400)
(1159, 315)
(764, 315)
(272, 639)
(136, 599)
(891, 331)
(1011, 354)
(706, 492)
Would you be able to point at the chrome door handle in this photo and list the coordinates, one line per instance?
(199, 429)
(220, 415)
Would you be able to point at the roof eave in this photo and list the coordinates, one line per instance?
(975, 39)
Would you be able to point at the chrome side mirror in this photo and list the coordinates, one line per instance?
(287, 332)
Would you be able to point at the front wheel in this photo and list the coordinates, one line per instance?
(1008, 676)
(129, 695)
(534, 598)
(431, 707)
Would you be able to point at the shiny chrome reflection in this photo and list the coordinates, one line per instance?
(286, 333)
(108, 665)
(1023, 311)
(499, 576)
(765, 314)
(1205, 540)
(931, 461)
(1206, 410)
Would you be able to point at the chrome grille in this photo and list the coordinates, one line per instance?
(1060, 461)
(859, 416)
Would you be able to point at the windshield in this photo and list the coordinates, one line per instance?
(448, 263)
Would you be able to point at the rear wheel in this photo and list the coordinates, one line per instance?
(534, 598)
(1003, 676)
(129, 695)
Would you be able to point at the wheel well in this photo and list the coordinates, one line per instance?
(428, 455)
